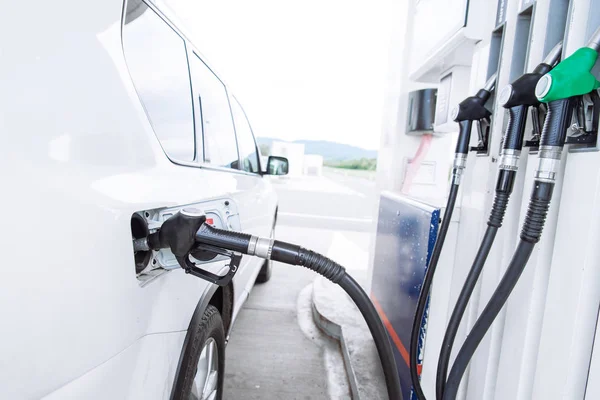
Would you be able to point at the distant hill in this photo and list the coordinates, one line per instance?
(329, 150)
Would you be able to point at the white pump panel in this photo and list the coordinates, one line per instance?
(446, 32)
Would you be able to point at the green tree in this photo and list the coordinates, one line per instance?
(368, 164)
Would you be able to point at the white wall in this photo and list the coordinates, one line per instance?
(313, 164)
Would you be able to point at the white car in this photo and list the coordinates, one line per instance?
(111, 122)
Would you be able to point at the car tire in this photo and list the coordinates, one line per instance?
(201, 376)
(265, 272)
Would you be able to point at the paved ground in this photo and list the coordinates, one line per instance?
(275, 352)
(333, 201)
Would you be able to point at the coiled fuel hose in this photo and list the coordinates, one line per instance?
(516, 98)
(559, 88)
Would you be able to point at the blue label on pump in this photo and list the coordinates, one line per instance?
(406, 233)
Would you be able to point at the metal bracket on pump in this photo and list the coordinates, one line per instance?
(472, 109)
(483, 135)
(584, 133)
(537, 121)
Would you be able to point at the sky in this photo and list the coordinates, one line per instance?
(312, 70)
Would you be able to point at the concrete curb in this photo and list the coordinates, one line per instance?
(335, 313)
(336, 331)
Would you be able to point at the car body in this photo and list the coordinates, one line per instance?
(89, 145)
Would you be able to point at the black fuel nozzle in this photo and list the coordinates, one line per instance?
(521, 92)
(472, 109)
(179, 233)
(517, 97)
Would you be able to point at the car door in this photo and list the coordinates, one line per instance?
(258, 203)
(188, 108)
(116, 140)
(215, 129)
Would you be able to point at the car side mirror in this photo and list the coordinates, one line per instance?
(277, 165)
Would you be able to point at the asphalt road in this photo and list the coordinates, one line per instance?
(333, 201)
(275, 351)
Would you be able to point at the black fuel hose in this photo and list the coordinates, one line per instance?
(513, 142)
(296, 255)
(425, 288)
(470, 109)
(379, 333)
(551, 143)
(516, 98)
(488, 316)
(460, 307)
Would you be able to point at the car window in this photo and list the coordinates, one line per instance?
(245, 138)
(220, 147)
(157, 60)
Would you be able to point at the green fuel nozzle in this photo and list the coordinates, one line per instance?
(572, 76)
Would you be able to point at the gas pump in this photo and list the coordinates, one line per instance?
(517, 98)
(560, 89)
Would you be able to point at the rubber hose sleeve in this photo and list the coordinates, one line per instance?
(423, 295)
(537, 211)
(487, 317)
(379, 333)
(460, 307)
(296, 255)
(498, 209)
(504, 187)
(321, 265)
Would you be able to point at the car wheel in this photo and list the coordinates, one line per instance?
(265, 272)
(203, 364)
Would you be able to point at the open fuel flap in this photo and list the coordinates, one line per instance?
(220, 213)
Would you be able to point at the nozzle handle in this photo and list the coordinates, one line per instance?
(517, 117)
(230, 240)
(464, 136)
(178, 232)
(558, 120)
